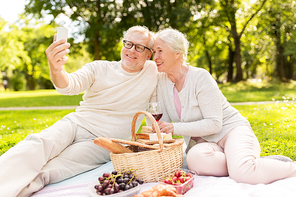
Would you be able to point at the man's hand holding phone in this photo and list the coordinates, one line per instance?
(56, 55)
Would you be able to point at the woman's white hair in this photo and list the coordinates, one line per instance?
(175, 40)
(144, 30)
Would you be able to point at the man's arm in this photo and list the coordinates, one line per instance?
(56, 55)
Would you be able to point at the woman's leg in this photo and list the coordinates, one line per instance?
(207, 159)
(244, 164)
(21, 163)
(79, 157)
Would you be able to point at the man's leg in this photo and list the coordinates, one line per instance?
(81, 156)
(22, 163)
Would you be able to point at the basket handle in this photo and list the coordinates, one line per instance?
(154, 123)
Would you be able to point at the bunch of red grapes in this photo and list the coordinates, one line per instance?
(117, 182)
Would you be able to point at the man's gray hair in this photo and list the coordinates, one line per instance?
(141, 29)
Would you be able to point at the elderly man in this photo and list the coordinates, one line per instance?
(114, 92)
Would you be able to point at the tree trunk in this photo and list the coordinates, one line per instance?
(288, 67)
(230, 63)
(279, 56)
(208, 55)
(97, 39)
(209, 61)
(238, 61)
(97, 46)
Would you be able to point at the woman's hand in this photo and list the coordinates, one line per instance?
(166, 127)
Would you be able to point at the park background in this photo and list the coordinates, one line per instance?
(249, 47)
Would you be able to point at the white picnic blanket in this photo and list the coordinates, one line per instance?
(204, 186)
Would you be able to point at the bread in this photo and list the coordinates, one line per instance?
(111, 146)
(160, 190)
(142, 136)
(147, 129)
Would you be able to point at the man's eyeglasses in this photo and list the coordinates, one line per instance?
(140, 48)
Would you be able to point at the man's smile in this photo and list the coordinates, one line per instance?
(129, 56)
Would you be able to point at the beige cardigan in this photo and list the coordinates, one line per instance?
(205, 111)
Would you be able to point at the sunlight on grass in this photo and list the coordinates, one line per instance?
(16, 125)
(245, 91)
(33, 93)
(37, 98)
(274, 126)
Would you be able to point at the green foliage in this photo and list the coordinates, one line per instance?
(18, 81)
(23, 49)
(278, 22)
(215, 29)
(12, 51)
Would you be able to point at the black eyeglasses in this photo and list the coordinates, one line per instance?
(140, 48)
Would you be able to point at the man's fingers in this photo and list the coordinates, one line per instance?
(63, 60)
(58, 52)
(60, 45)
(61, 54)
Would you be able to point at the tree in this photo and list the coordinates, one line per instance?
(36, 39)
(230, 11)
(106, 20)
(98, 16)
(12, 50)
(279, 23)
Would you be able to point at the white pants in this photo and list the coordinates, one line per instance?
(237, 155)
(57, 153)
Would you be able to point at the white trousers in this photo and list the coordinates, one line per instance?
(237, 155)
(57, 153)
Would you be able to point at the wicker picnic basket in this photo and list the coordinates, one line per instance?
(152, 165)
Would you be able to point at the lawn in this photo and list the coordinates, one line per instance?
(37, 98)
(16, 125)
(274, 124)
(240, 92)
(259, 91)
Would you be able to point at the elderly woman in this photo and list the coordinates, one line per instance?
(195, 108)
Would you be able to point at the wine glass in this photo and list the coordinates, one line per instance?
(154, 109)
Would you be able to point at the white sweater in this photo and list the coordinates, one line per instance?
(205, 111)
(112, 96)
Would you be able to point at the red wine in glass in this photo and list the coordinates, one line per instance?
(157, 116)
(154, 109)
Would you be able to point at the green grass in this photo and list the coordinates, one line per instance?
(239, 92)
(246, 91)
(16, 125)
(37, 98)
(274, 126)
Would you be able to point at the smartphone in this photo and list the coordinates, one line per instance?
(62, 33)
